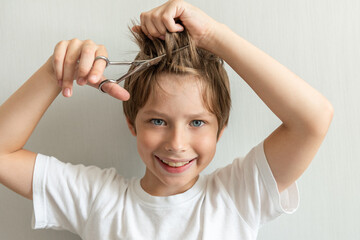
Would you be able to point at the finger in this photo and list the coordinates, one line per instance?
(143, 26)
(76, 71)
(160, 27)
(80, 81)
(116, 91)
(87, 57)
(112, 89)
(136, 29)
(97, 70)
(171, 24)
(58, 59)
(152, 29)
(72, 55)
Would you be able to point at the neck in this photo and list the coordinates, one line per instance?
(155, 187)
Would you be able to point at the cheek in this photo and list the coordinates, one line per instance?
(147, 141)
(206, 144)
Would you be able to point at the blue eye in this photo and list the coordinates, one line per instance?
(197, 123)
(157, 122)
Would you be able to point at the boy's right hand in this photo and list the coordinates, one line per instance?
(66, 67)
(156, 22)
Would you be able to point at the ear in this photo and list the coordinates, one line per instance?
(221, 132)
(131, 127)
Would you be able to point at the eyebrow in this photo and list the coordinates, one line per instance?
(196, 115)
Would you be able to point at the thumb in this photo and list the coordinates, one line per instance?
(136, 28)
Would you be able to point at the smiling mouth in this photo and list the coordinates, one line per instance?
(175, 164)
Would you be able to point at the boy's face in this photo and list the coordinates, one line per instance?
(176, 135)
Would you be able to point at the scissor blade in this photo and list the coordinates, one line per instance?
(120, 63)
(143, 64)
(131, 72)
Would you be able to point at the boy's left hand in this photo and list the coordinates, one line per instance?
(157, 21)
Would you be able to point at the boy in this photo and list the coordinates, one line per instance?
(177, 110)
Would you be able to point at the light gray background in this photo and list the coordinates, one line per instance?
(318, 40)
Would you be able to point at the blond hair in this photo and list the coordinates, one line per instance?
(206, 66)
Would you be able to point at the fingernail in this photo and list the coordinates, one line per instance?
(67, 92)
(81, 81)
(180, 28)
(93, 78)
(162, 37)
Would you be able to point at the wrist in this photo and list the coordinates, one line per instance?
(215, 39)
(48, 69)
(45, 76)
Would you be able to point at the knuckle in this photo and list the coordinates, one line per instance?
(164, 18)
(87, 50)
(89, 41)
(69, 61)
(62, 42)
(75, 40)
(155, 15)
(167, 19)
(58, 44)
(57, 59)
(147, 16)
(162, 31)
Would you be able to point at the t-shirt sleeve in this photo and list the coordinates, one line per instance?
(251, 186)
(63, 194)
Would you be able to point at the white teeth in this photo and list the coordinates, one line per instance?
(175, 164)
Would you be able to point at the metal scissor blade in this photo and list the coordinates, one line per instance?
(142, 64)
(128, 74)
(120, 62)
(139, 65)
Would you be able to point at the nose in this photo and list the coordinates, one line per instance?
(177, 140)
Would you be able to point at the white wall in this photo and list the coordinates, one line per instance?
(318, 40)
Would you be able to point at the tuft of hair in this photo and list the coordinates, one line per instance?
(191, 60)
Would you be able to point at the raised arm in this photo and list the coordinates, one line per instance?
(304, 112)
(20, 114)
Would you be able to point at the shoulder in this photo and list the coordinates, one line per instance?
(53, 171)
(248, 166)
(249, 184)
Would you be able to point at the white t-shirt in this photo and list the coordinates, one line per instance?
(231, 203)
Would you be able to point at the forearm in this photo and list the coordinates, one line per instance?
(296, 103)
(20, 114)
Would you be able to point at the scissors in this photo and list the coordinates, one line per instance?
(139, 65)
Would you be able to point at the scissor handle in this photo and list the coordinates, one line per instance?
(108, 62)
(103, 82)
(103, 58)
